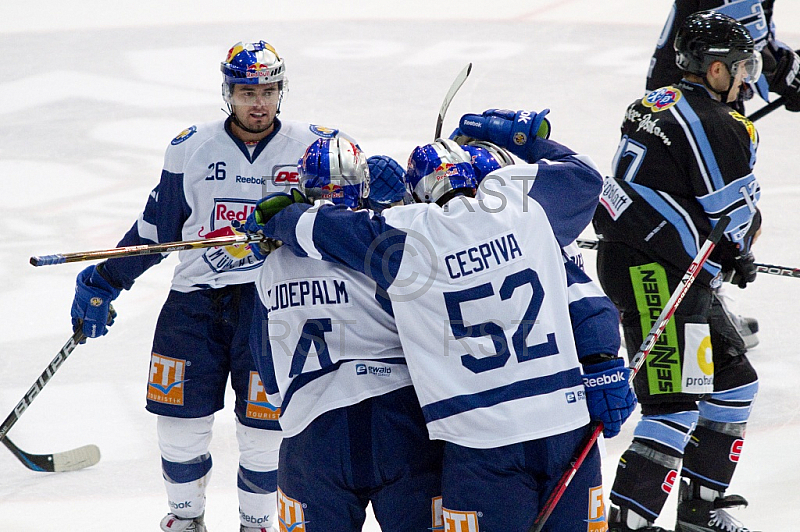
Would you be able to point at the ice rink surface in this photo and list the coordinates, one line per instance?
(92, 92)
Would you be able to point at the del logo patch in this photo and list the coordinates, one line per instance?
(166, 380)
(290, 514)
(662, 99)
(258, 407)
(183, 135)
(455, 521)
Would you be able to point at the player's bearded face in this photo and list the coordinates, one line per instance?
(255, 106)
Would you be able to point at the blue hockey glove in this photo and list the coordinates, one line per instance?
(387, 182)
(609, 397)
(515, 131)
(91, 308)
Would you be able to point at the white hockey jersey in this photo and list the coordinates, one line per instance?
(332, 339)
(480, 297)
(209, 179)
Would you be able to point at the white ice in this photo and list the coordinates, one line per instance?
(92, 91)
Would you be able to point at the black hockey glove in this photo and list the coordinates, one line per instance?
(785, 79)
(744, 269)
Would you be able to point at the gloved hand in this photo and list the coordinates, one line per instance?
(744, 269)
(264, 247)
(785, 79)
(387, 182)
(609, 396)
(269, 206)
(514, 131)
(91, 308)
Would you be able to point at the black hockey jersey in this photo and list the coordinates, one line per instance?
(685, 160)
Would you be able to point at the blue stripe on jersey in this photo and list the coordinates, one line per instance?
(517, 390)
(260, 349)
(672, 430)
(688, 240)
(702, 143)
(304, 378)
(750, 14)
(595, 319)
(738, 201)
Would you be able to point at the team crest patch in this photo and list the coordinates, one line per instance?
(183, 135)
(323, 131)
(751, 129)
(662, 99)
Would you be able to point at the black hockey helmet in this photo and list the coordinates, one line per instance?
(708, 36)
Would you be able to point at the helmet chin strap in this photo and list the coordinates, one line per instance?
(722, 94)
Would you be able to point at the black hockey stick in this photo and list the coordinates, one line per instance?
(636, 363)
(71, 460)
(772, 269)
(767, 109)
(460, 79)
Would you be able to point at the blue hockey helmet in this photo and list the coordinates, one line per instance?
(387, 182)
(251, 64)
(436, 169)
(336, 170)
(486, 157)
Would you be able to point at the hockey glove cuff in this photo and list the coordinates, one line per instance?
(609, 396)
(515, 131)
(744, 269)
(269, 206)
(91, 307)
(785, 80)
(387, 182)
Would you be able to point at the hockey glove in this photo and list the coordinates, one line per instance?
(785, 79)
(515, 131)
(387, 182)
(91, 308)
(744, 269)
(269, 206)
(609, 396)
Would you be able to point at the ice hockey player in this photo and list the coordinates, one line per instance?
(213, 174)
(781, 75)
(686, 157)
(353, 430)
(483, 313)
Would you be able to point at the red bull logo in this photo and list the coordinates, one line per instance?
(332, 191)
(258, 407)
(260, 70)
(445, 170)
(166, 379)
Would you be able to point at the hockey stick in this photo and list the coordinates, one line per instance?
(772, 269)
(460, 79)
(635, 365)
(127, 251)
(767, 109)
(72, 460)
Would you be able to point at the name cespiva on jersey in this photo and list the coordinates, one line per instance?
(495, 252)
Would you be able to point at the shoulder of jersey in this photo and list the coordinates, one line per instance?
(197, 132)
(305, 131)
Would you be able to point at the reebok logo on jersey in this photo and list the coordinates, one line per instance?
(290, 514)
(455, 521)
(603, 380)
(258, 407)
(613, 198)
(166, 380)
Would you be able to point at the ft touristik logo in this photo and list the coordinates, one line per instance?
(290, 514)
(166, 379)
(258, 407)
(455, 521)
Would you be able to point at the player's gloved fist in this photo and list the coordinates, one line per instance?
(91, 308)
(269, 206)
(785, 80)
(515, 131)
(744, 269)
(609, 396)
(387, 182)
(264, 247)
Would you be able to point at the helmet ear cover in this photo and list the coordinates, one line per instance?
(335, 170)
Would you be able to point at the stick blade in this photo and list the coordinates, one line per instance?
(76, 459)
(460, 79)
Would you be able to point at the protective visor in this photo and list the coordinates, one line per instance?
(748, 70)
